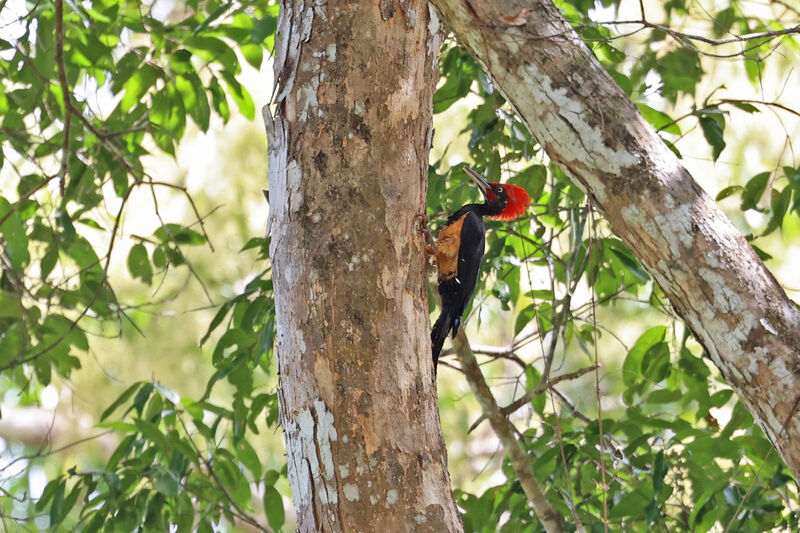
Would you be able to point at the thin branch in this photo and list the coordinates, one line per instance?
(66, 93)
(551, 519)
(542, 386)
(592, 238)
(103, 283)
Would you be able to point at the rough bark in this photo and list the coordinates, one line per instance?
(348, 150)
(587, 125)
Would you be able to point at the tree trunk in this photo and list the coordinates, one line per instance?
(348, 166)
(587, 125)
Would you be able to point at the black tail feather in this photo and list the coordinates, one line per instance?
(456, 323)
(438, 334)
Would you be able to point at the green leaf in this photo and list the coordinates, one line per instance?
(140, 82)
(532, 179)
(263, 27)
(217, 320)
(779, 204)
(713, 132)
(753, 66)
(249, 458)
(171, 396)
(178, 234)
(524, 317)
(660, 468)
(271, 476)
(139, 264)
(632, 367)
(655, 364)
(268, 334)
(753, 190)
(213, 49)
(764, 256)
(232, 478)
(720, 398)
(631, 264)
(680, 72)
(723, 21)
(727, 191)
(142, 396)
(240, 95)
(631, 504)
(273, 507)
(166, 484)
(57, 507)
(120, 400)
(659, 120)
(212, 17)
(501, 291)
(13, 232)
(47, 493)
(159, 257)
(195, 100)
(744, 106)
(152, 433)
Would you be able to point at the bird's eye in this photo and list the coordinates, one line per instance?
(499, 189)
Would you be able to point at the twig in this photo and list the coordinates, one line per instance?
(542, 386)
(551, 519)
(65, 91)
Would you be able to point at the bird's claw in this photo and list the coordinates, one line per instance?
(430, 247)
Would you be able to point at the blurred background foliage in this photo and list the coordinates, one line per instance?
(136, 321)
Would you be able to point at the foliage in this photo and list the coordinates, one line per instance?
(77, 164)
(661, 459)
(658, 456)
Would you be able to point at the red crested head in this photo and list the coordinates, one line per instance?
(517, 200)
(503, 201)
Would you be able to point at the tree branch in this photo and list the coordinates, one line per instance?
(66, 94)
(551, 519)
(710, 273)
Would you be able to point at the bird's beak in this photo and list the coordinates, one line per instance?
(479, 180)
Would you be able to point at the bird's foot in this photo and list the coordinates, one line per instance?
(422, 228)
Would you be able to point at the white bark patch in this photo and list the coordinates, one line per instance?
(312, 456)
(768, 326)
(353, 263)
(567, 123)
(780, 371)
(720, 337)
(351, 492)
(294, 181)
(330, 51)
(344, 470)
(306, 21)
(325, 434)
(634, 216)
(420, 519)
(412, 18)
(392, 496)
(752, 365)
(676, 228)
(307, 101)
(435, 42)
(595, 186)
(725, 299)
(401, 100)
(712, 261)
(276, 148)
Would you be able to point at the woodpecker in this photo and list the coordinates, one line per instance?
(459, 249)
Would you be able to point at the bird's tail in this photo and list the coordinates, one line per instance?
(439, 333)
